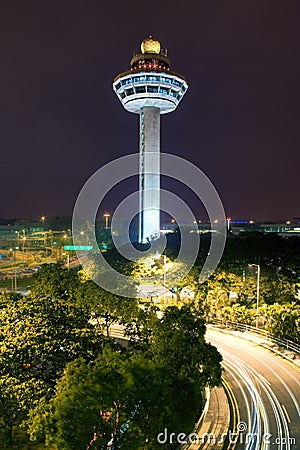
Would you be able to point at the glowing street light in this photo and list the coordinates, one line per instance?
(107, 216)
(228, 222)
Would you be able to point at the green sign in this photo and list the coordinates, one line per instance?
(78, 247)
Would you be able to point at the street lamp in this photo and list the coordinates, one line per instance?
(13, 271)
(23, 245)
(107, 216)
(257, 290)
(18, 239)
(228, 223)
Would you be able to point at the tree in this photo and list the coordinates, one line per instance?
(38, 337)
(121, 397)
(103, 276)
(138, 330)
(276, 288)
(178, 342)
(86, 404)
(129, 397)
(283, 321)
(106, 308)
(54, 282)
(239, 314)
(190, 280)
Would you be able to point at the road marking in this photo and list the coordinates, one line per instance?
(235, 409)
(264, 379)
(286, 413)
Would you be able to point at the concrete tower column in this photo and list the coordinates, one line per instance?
(149, 223)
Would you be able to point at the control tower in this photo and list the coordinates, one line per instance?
(150, 88)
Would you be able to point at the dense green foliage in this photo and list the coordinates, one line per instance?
(39, 336)
(230, 294)
(67, 383)
(133, 395)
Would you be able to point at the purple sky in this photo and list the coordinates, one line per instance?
(239, 121)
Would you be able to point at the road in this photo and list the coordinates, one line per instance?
(266, 389)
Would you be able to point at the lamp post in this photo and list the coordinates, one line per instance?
(228, 223)
(257, 290)
(107, 216)
(165, 262)
(18, 238)
(13, 271)
(23, 240)
(165, 273)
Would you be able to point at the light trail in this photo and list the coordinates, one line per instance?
(266, 388)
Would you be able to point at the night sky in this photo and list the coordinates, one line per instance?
(239, 121)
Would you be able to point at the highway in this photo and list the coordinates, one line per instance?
(266, 392)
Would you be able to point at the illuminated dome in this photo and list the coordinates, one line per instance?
(150, 45)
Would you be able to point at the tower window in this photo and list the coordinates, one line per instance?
(122, 95)
(127, 81)
(177, 83)
(139, 79)
(140, 89)
(164, 90)
(152, 78)
(166, 80)
(173, 93)
(118, 86)
(152, 88)
(129, 91)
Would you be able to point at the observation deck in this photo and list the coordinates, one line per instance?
(150, 82)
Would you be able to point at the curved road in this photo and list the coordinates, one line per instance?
(266, 389)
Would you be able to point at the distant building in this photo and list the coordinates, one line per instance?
(281, 228)
(242, 226)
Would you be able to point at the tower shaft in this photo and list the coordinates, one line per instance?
(149, 181)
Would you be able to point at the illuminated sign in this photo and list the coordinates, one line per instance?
(78, 247)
